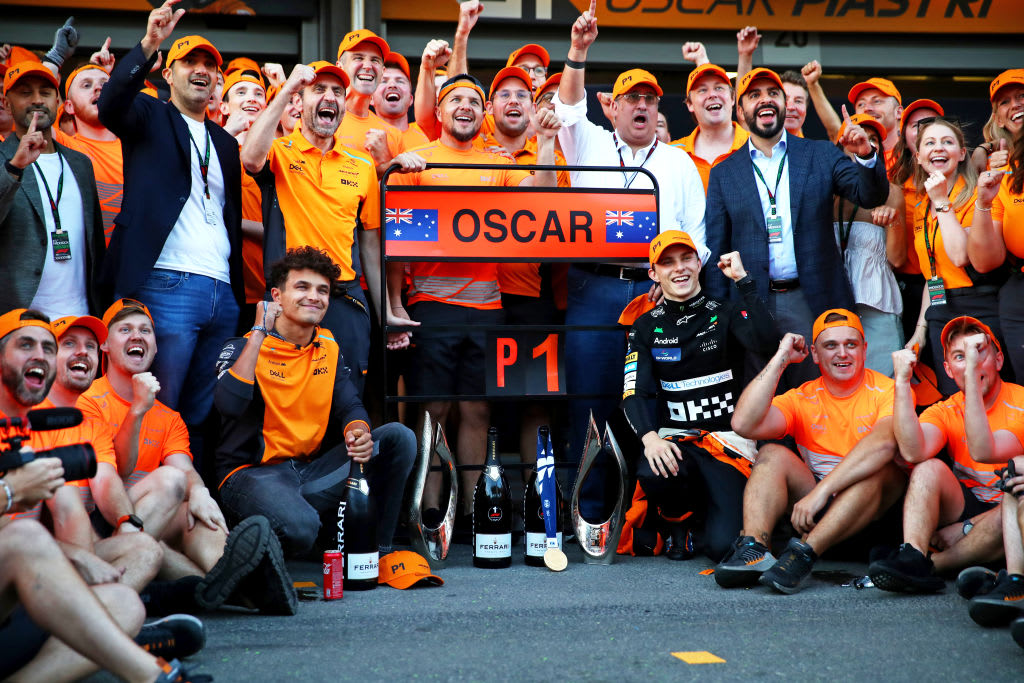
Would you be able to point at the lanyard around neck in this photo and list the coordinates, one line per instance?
(54, 204)
(622, 164)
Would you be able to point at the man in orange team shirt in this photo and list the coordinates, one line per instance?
(880, 98)
(710, 99)
(461, 293)
(361, 55)
(393, 98)
(152, 448)
(845, 476)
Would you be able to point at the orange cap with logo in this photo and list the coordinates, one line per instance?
(242, 64)
(530, 49)
(396, 60)
(846, 319)
(354, 38)
(960, 324)
(664, 240)
(1006, 78)
(182, 46)
(322, 67)
(864, 120)
(704, 69)
(628, 80)
(93, 324)
(12, 320)
(236, 77)
(883, 84)
(403, 569)
(752, 76)
(550, 84)
(510, 72)
(28, 68)
(123, 307)
(920, 104)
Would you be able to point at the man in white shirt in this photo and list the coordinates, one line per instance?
(599, 291)
(51, 234)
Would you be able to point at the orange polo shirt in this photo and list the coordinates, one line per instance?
(953, 276)
(688, 144)
(163, 431)
(324, 196)
(1008, 209)
(107, 166)
(474, 285)
(352, 132)
(911, 198)
(252, 248)
(413, 136)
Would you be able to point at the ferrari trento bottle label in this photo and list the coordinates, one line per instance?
(362, 566)
(493, 546)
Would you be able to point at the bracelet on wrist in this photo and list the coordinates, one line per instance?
(258, 328)
(13, 170)
(981, 208)
(573, 64)
(10, 496)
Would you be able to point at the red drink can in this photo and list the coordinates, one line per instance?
(334, 574)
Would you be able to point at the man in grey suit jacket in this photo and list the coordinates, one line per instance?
(772, 201)
(51, 228)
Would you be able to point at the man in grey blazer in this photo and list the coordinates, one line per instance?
(772, 201)
(51, 228)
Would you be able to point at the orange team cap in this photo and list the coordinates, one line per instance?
(125, 306)
(664, 240)
(12, 320)
(1006, 78)
(93, 324)
(510, 72)
(849, 319)
(461, 81)
(705, 69)
(74, 74)
(628, 80)
(322, 67)
(354, 38)
(403, 569)
(28, 68)
(398, 61)
(530, 49)
(920, 104)
(883, 84)
(548, 85)
(182, 46)
(236, 77)
(752, 76)
(20, 54)
(863, 120)
(959, 323)
(242, 64)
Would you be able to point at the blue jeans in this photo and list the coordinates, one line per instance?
(194, 315)
(293, 494)
(593, 365)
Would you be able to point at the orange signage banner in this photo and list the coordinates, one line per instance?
(426, 223)
(857, 16)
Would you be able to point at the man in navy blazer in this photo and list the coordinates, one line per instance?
(176, 244)
(772, 201)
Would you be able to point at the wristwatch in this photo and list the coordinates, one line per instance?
(941, 208)
(132, 519)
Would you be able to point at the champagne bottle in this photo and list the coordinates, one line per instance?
(492, 512)
(533, 506)
(357, 527)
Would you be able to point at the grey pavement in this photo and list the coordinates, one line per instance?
(610, 623)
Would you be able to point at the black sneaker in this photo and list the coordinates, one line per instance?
(174, 637)
(245, 548)
(1002, 604)
(1017, 631)
(975, 581)
(792, 569)
(679, 544)
(906, 570)
(174, 672)
(745, 563)
(162, 598)
(269, 588)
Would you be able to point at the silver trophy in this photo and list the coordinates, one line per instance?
(432, 543)
(599, 541)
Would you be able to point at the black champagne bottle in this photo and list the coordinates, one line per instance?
(357, 537)
(492, 512)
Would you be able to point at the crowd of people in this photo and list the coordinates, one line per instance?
(815, 354)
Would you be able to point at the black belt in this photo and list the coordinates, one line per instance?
(621, 272)
(784, 285)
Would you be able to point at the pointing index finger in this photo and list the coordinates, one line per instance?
(846, 117)
(593, 9)
(32, 126)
